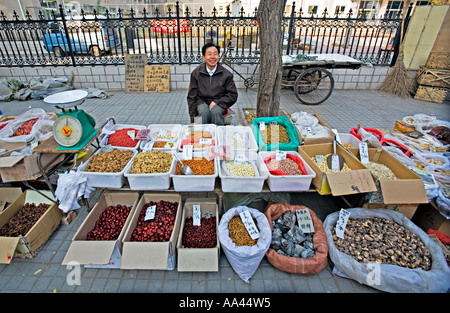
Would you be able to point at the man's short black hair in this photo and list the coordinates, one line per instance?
(208, 45)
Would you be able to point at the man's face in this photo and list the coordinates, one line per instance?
(211, 57)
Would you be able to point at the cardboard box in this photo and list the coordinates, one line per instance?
(427, 216)
(20, 168)
(151, 255)
(7, 196)
(198, 259)
(28, 245)
(402, 195)
(315, 140)
(100, 253)
(358, 180)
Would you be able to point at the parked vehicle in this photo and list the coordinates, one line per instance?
(85, 35)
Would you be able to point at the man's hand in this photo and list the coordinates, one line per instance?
(211, 105)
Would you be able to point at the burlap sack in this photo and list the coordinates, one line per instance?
(298, 265)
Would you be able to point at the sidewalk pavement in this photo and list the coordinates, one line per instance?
(343, 111)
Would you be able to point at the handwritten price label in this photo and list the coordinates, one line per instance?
(187, 152)
(341, 223)
(196, 214)
(150, 213)
(249, 224)
(304, 220)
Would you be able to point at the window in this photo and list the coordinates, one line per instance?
(339, 10)
(367, 9)
(394, 9)
(312, 9)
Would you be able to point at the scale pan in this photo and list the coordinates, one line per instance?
(67, 99)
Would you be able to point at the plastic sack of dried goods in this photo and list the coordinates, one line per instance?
(298, 265)
(33, 124)
(389, 277)
(245, 259)
(291, 130)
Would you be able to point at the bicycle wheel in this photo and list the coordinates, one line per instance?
(314, 85)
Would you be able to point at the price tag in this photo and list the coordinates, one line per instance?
(147, 146)
(249, 224)
(308, 131)
(187, 152)
(237, 137)
(205, 141)
(304, 220)
(168, 145)
(262, 125)
(320, 158)
(280, 155)
(240, 158)
(196, 214)
(162, 133)
(341, 222)
(150, 213)
(363, 153)
(131, 133)
(34, 143)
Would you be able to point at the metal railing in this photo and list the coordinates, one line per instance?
(177, 37)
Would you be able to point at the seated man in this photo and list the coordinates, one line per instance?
(211, 89)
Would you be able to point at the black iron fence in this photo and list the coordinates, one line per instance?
(177, 37)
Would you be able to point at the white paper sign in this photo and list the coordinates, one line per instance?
(205, 141)
(363, 153)
(249, 224)
(280, 155)
(131, 133)
(240, 158)
(262, 125)
(196, 214)
(308, 131)
(150, 213)
(187, 152)
(341, 222)
(304, 220)
(320, 158)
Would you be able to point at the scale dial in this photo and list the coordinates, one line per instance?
(67, 131)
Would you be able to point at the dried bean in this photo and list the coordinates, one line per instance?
(154, 161)
(275, 134)
(287, 165)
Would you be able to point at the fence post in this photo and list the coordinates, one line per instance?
(66, 31)
(179, 33)
(291, 22)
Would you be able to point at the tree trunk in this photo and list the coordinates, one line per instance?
(270, 15)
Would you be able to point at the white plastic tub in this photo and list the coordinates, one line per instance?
(288, 182)
(187, 129)
(231, 183)
(350, 139)
(116, 127)
(155, 129)
(194, 182)
(104, 179)
(244, 134)
(150, 181)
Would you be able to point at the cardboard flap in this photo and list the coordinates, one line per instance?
(154, 258)
(10, 161)
(89, 252)
(351, 182)
(7, 247)
(403, 191)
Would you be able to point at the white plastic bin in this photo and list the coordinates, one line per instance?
(225, 135)
(150, 181)
(288, 182)
(155, 129)
(104, 179)
(104, 140)
(243, 183)
(187, 129)
(350, 139)
(194, 182)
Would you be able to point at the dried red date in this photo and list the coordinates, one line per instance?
(23, 219)
(159, 228)
(202, 236)
(110, 223)
(25, 128)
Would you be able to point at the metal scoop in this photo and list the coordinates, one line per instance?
(335, 161)
(184, 168)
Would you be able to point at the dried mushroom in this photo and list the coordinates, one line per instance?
(370, 240)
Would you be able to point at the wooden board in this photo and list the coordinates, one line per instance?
(157, 78)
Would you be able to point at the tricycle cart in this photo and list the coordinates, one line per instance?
(310, 77)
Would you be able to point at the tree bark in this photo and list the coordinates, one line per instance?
(270, 15)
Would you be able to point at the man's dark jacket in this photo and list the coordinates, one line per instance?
(219, 88)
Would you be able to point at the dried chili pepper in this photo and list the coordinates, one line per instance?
(120, 138)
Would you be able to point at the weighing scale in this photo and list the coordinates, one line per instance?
(73, 128)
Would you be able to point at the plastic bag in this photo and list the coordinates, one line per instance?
(304, 119)
(281, 120)
(298, 265)
(388, 277)
(41, 130)
(245, 259)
